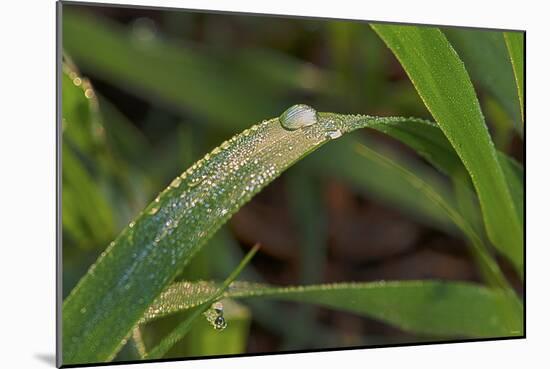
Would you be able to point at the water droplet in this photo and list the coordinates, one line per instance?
(298, 116)
(176, 182)
(89, 93)
(131, 225)
(333, 134)
(214, 315)
(153, 210)
(196, 181)
(220, 323)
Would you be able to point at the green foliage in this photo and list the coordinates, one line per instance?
(486, 59)
(431, 308)
(83, 160)
(445, 87)
(515, 43)
(181, 330)
(153, 249)
(129, 301)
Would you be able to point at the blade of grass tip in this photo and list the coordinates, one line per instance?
(515, 44)
(181, 330)
(444, 85)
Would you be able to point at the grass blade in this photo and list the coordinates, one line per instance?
(84, 164)
(515, 43)
(425, 307)
(115, 292)
(181, 330)
(445, 87)
(486, 59)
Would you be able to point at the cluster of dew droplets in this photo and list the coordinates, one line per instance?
(214, 315)
(225, 178)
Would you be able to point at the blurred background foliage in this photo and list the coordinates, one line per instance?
(148, 92)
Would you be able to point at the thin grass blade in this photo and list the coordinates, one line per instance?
(515, 42)
(426, 307)
(181, 330)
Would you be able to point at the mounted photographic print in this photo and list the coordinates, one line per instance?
(237, 184)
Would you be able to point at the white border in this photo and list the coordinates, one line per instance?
(27, 152)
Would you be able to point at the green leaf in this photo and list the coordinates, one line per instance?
(514, 174)
(107, 302)
(425, 307)
(83, 164)
(181, 330)
(82, 197)
(116, 291)
(515, 43)
(445, 87)
(486, 59)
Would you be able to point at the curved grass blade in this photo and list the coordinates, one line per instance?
(111, 298)
(425, 307)
(515, 43)
(113, 295)
(445, 87)
(181, 330)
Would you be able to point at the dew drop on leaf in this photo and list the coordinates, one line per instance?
(334, 134)
(176, 182)
(298, 116)
(214, 315)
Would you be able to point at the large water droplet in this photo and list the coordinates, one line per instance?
(214, 315)
(334, 134)
(176, 182)
(220, 323)
(298, 116)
